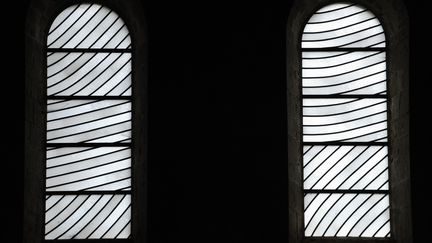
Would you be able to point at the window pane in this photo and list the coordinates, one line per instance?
(89, 125)
(88, 26)
(344, 72)
(74, 169)
(89, 73)
(344, 120)
(83, 121)
(347, 215)
(88, 217)
(360, 120)
(345, 25)
(345, 167)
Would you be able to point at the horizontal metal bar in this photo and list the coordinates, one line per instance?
(90, 241)
(347, 239)
(348, 143)
(343, 49)
(377, 96)
(80, 97)
(346, 191)
(90, 50)
(87, 192)
(88, 144)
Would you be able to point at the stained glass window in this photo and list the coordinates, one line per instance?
(89, 125)
(345, 124)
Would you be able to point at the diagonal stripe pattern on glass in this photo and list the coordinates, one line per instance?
(88, 217)
(88, 26)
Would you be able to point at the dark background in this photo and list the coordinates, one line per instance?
(217, 120)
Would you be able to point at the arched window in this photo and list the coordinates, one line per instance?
(89, 124)
(91, 95)
(345, 138)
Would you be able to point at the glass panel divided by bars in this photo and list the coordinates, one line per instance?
(89, 125)
(345, 126)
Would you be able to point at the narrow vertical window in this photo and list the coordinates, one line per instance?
(88, 125)
(345, 124)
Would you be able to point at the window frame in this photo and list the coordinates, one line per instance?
(40, 16)
(394, 20)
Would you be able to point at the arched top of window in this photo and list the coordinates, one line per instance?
(88, 26)
(343, 25)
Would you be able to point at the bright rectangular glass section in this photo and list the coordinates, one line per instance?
(83, 168)
(72, 121)
(345, 167)
(347, 215)
(89, 74)
(360, 72)
(346, 120)
(88, 216)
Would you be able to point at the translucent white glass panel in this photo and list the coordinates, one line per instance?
(346, 25)
(75, 169)
(89, 74)
(88, 217)
(347, 215)
(89, 121)
(360, 120)
(88, 26)
(345, 167)
(344, 72)
(344, 120)
(89, 125)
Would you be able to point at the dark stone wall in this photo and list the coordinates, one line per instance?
(217, 136)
